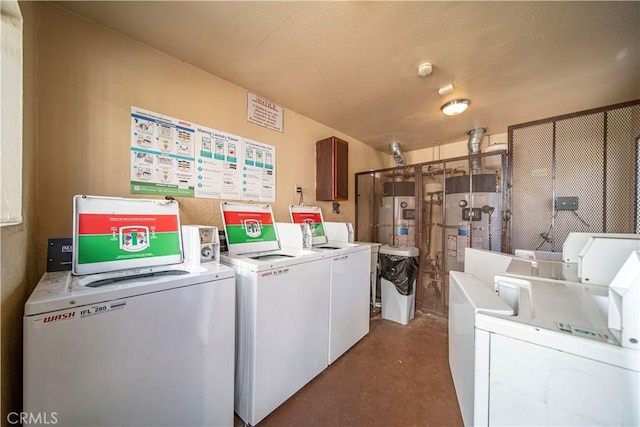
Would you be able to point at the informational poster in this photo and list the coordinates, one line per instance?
(314, 219)
(249, 228)
(108, 237)
(311, 215)
(173, 157)
(112, 233)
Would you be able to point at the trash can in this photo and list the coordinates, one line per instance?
(398, 272)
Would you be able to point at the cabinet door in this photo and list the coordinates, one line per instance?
(341, 162)
(332, 169)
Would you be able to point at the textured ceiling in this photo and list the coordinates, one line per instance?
(353, 65)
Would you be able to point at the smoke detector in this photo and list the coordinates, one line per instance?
(425, 69)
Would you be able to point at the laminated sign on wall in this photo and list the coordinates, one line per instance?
(173, 157)
(111, 233)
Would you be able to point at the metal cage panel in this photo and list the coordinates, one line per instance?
(623, 127)
(592, 155)
(532, 185)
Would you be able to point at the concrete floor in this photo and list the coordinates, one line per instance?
(395, 376)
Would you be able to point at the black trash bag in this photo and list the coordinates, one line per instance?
(399, 270)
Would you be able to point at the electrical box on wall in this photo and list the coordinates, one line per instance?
(566, 203)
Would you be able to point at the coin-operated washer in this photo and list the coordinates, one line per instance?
(134, 336)
(282, 311)
(558, 341)
(349, 284)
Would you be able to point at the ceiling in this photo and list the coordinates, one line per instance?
(353, 65)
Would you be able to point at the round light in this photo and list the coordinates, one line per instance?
(455, 106)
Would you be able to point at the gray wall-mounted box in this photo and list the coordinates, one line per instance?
(566, 204)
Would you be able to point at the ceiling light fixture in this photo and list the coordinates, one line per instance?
(455, 106)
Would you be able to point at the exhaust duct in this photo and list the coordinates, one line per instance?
(475, 138)
(397, 154)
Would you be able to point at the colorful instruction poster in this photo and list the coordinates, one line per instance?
(311, 215)
(174, 157)
(114, 233)
(248, 227)
(107, 237)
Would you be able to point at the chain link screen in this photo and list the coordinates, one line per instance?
(592, 157)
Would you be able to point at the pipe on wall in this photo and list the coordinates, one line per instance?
(397, 154)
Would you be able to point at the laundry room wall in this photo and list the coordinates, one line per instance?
(18, 272)
(89, 77)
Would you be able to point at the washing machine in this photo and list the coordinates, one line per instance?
(343, 232)
(282, 311)
(138, 345)
(349, 284)
(549, 348)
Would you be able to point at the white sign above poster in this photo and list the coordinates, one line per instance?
(264, 112)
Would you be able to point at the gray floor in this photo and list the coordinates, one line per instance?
(395, 376)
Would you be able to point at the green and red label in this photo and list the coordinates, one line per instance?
(314, 219)
(249, 227)
(110, 237)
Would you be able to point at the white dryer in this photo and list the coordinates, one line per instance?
(349, 285)
(282, 311)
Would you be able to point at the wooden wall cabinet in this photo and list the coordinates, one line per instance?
(332, 169)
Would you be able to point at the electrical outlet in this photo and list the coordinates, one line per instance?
(298, 189)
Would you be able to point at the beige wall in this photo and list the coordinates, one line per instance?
(17, 272)
(90, 77)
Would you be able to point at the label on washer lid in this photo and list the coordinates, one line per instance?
(585, 332)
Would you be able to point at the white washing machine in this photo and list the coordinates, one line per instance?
(349, 285)
(553, 362)
(343, 232)
(282, 311)
(150, 345)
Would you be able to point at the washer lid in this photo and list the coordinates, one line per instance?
(399, 250)
(311, 215)
(114, 233)
(249, 228)
(62, 291)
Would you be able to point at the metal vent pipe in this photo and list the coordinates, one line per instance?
(397, 154)
(475, 138)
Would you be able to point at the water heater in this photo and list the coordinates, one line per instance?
(472, 218)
